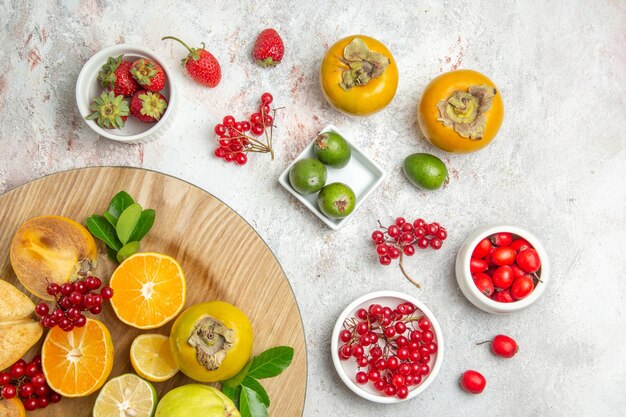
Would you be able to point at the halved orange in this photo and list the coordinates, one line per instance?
(149, 290)
(77, 363)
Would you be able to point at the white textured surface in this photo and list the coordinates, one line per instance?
(556, 168)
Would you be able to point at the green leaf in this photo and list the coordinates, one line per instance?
(112, 253)
(127, 250)
(250, 404)
(271, 362)
(146, 220)
(102, 229)
(110, 218)
(120, 202)
(236, 380)
(233, 393)
(256, 386)
(127, 222)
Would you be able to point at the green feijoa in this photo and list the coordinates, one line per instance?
(336, 200)
(308, 176)
(425, 170)
(332, 150)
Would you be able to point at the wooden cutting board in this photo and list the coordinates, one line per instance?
(223, 258)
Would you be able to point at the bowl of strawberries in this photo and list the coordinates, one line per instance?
(502, 269)
(125, 93)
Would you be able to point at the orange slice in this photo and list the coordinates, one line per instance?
(149, 290)
(77, 363)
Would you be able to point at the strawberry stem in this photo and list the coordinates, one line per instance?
(178, 40)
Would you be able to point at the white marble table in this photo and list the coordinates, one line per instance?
(556, 168)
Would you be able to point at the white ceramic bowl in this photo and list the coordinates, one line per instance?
(361, 174)
(466, 282)
(347, 369)
(88, 88)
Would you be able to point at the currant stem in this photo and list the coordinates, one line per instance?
(405, 273)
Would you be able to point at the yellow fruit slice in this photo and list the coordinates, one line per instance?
(152, 357)
(18, 331)
(12, 408)
(49, 249)
(77, 363)
(126, 396)
(149, 290)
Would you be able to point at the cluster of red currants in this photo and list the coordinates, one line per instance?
(402, 237)
(234, 141)
(71, 300)
(504, 267)
(392, 348)
(27, 380)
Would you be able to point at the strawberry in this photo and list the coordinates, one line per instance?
(201, 65)
(115, 76)
(147, 106)
(148, 74)
(109, 111)
(268, 49)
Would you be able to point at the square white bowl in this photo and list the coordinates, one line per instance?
(361, 174)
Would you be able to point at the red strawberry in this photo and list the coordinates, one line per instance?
(147, 106)
(268, 49)
(109, 111)
(115, 76)
(201, 65)
(148, 74)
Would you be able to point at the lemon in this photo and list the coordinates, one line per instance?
(127, 395)
(152, 357)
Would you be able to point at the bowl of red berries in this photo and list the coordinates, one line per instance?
(126, 93)
(502, 269)
(387, 347)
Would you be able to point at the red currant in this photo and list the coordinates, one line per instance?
(228, 121)
(393, 363)
(268, 120)
(424, 323)
(106, 293)
(436, 243)
(30, 404)
(53, 288)
(422, 242)
(5, 378)
(400, 221)
(30, 369)
(264, 109)
(357, 351)
(382, 249)
(378, 236)
(66, 289)
(8, 391)
(42, 309)
(16, 370)
(390, 390)
(393, 231)
(38, 380)
(442, 234)
(42, 402)
(26, 390)
(55, 397)
(376, 351)
(407, 237)
(241, 158)
(361, 378)
(419, 223)
(419, 232)
(220, 129)
(345, 336)
(266, 98)
(373, 375)
(409, 250)
(394, 253)
(402, 353)
(402, 392)
(257, 129)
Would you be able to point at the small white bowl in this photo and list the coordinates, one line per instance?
(361, 174)
(466, 282)
(349, 367)
(88, 88)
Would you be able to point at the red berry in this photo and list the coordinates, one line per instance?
(241, 158)
(402, 392)
(394, 253)
(30, 404)
(503, 277)
(201, 65)
(504, 346)
(345, 352)
(361, 378)
(266, 98)
(436, 243)
(268, 48)
(385, 260)
(42, 309)
(55, 397)
(400, 327)
(8, 391)
(53, 288)
(528, 260)
(419, 232)
(67, 288)
(427, 336)
(220, 129)
(520, 244)
(31, 369)
(407, 237)
(400, 221)
(16, 370)
(106, 293)
(5, 378)
(484, 283)
(482, 249)
(378, 236)
(398, 380)
(390, 390)
(357, 351)
(42, 402)
(521, 287)
(402, 353)
(373, 375)
(473, 382)
(345, 336)
(424, 324)
(502, 239)
(245, 126)
(256, 118)
(503, 296)
(477, 265)
(257, 129)
(419, 223)
(503, 255)
(442, 234)
(382, 249)
(393, 363)
(422, 243)
(26, 390)
(38, 380)
(96, 309)
(432, 229)
(393, 231)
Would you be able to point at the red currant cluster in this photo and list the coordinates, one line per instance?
(235, 143)
(392, 348)
(28, 380)
(71, 300)
(402, 237)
